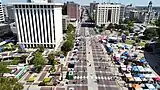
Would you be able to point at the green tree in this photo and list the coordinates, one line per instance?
(38, 61)
(67, 46)
(126, 33)
(23, 58)
(70, 28)
(150, 33)
(136, 34)
(58, 53)
(157, 23)
(129, 26)
(3, 69)
(110, 26)
(10, 84)
(41, 48)
(15, 61)
(51, 58)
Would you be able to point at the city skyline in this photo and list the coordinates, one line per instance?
(84, 2)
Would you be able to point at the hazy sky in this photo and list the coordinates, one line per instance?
(86, 2)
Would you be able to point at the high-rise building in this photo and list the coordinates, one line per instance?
(73, 10)
(40, 1)
(10, 11)
(93, 9)
(2, 19)
(5, 12)
(149, 12)
(108, 13)
(39, 24)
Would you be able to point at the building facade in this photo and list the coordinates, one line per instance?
(39, 24)
(10, 11)
(5, 12)
(2, 18)
(93, 10)
(65, 22)
(73, 10)
(107, 13)
(40, 1)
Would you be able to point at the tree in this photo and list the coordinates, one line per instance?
(110, 26)
(58, 53)
(23, 58)
(70, 28)
(157, 23)
(150, 33)
(15, 61)
(129, 26)
(3, 69)
(10, 84)
(67, 46)
(51, 58)
(126, 33)
(38, 61)
(136, 34)
(41, 48)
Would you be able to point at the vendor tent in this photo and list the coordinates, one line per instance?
(137, 87)
(142, 60)
(148, 70)
(137, 79)
(128, 75)
(135, 69)
(156, 78)
(141, 69)
(150, 86)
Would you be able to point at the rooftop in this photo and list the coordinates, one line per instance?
(57, 4)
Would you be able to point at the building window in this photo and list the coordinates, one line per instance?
(109, 15)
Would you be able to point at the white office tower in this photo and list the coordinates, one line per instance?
(107, 13)
(1, 13)
(40, 1)
(39, 24)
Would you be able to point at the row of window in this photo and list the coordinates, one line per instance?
(33, 26)
(34, 6)
(51, 46)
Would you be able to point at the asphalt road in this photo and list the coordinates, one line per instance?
(98, 76)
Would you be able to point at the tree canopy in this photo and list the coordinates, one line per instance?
(3, 69)
(38, 61)
(150, 33)
(70, 28)
(10, 84)
(51, 56)
(157, 22)
(67, 46)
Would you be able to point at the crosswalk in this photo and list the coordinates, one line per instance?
(93, 77)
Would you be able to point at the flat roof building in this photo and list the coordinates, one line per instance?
(39, 24)
(108, 13)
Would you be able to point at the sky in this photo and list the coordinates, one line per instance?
(86, 2)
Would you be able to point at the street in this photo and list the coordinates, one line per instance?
(92, 69)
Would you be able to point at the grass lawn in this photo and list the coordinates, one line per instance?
(31, 79)
(142, 44)
(45, 80)
(130, 42)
